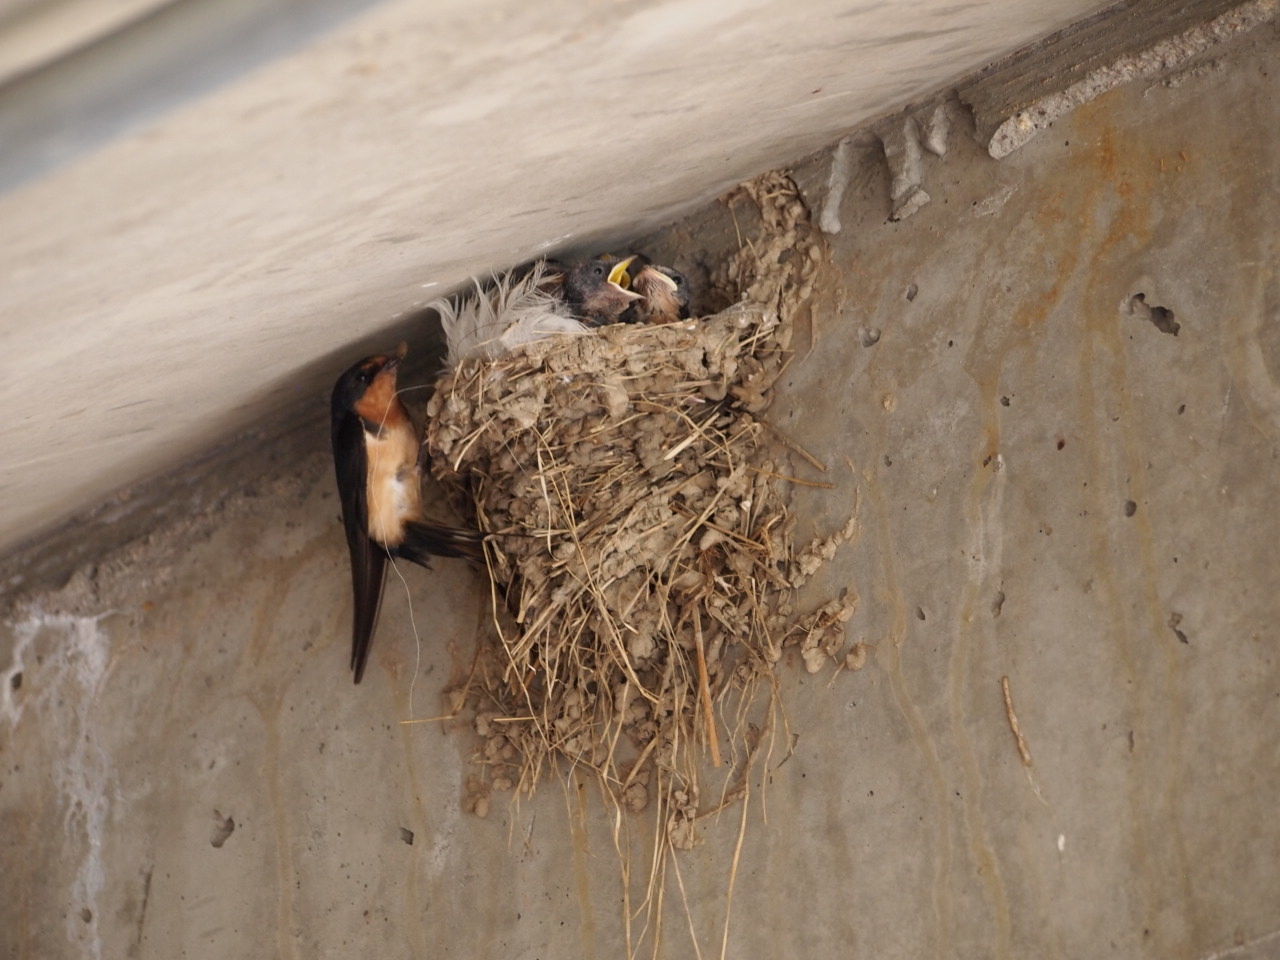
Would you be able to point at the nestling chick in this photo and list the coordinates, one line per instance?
(664, 295)
(596, 290)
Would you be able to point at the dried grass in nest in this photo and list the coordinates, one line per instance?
(644, 602)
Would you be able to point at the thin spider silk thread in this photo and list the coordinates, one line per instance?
(413, 624)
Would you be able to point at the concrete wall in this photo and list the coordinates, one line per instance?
(1051, 489)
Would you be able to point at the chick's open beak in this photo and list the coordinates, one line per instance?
(619, 274)
(620, 278)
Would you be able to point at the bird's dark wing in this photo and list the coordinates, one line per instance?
(368, 560)
(425, 540)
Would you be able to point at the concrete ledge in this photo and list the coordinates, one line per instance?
(1015, 100)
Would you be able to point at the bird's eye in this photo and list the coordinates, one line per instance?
(598, 270)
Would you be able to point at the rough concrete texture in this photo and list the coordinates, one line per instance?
(1138, 41)
(1052, 489)
(205, 264)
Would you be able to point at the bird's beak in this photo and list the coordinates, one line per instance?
(401, 352)
(666, 280)
(620, 279)
(619, 273)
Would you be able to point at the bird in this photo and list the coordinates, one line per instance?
(664, 295)
(596, 291)
(376, 455)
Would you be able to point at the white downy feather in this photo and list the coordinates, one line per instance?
(491, 323)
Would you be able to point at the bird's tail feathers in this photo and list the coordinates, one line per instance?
(424, 540)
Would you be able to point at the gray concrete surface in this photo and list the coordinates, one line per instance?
(1052, 489)
(1139, 40)
(204, 262)
(35, 33)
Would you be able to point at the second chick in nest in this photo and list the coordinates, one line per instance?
(664, 294)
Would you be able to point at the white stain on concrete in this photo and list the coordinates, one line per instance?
(935, 126)
(445, 826)
(64, 693)
(11, 701)
(901, 140)
(837, 180)
(989, 206)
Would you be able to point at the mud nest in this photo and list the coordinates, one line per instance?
(643, 567)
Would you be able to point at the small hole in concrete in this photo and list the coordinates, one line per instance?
(1182, 408)
(1161, 318)
(406, 835)
(1130, 508)
(912, 290)
(223, 828)
(15, 680)
(1004, 401)
(920, 613)
(86, 915)
(1061, 443)
(1164, 321)
(870, 336)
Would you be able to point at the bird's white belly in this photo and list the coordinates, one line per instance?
(394, 489)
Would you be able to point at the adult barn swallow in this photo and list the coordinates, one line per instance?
(376, 450)
(596, 290)
(664, 294)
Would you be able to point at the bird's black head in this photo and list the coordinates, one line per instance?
(354, 386)
(598, 290)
